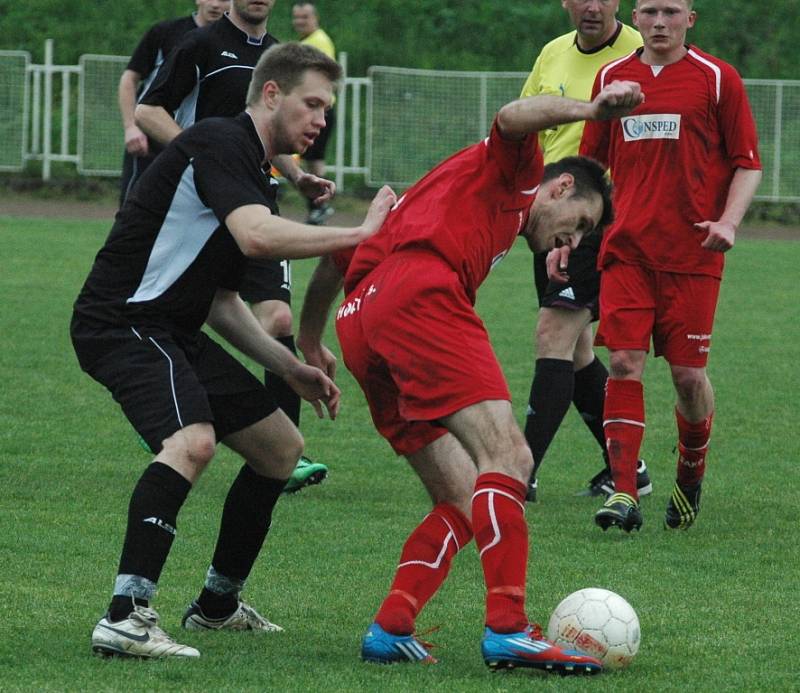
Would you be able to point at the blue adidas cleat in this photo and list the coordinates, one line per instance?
(528, 648)
(381, 647)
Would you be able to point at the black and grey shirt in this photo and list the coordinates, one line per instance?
(169, 249)
(208, 73)
(156, 45)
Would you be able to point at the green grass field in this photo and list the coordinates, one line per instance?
(718, 604)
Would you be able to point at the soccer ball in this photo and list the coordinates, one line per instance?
(599, 623)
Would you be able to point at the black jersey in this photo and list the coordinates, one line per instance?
(208, 73)
(156, 45)
(169, 249)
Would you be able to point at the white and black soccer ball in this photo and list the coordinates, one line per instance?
(599, 623)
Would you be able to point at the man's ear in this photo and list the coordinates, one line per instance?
(563, 184)
(270, 92)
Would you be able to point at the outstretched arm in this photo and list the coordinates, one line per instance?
(262, 234)
(519, 118)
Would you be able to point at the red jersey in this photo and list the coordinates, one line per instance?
(468, 210)
(672, 159)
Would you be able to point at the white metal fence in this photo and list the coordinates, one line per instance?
(414, 118)
(418, 117)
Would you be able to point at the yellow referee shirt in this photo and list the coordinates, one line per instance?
(322, 42)
(563, 69)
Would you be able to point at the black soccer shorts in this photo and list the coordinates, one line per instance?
(583, 288)
(267, 280)
(165, 382)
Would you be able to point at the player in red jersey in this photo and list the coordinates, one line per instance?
(411, 337)
(685, 167)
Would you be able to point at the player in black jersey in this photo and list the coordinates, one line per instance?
(207, 75)
(148, 56)
(172, 262)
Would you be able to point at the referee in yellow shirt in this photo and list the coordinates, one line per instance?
(305, 21)
(567, 369)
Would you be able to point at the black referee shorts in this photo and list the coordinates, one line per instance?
(583, 288)
(267, 280)
(165, 382)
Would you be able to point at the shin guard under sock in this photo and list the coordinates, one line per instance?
(246, 518)
(590, 397)
(424, 564)
(549, 400)
(624, 429)
(498, 520)
(692, 449)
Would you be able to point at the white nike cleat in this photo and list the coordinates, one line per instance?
(137, 636)
(244, 618)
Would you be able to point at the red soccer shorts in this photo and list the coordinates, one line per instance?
(412, 340)
(677, 310)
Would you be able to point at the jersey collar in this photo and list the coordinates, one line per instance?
(606, 44)
(244, 35)
(247, 120)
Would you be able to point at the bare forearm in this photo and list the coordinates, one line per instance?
(322, 290)
(288, 167)
(126, 96)
(537, 113)
(260, 234)
(232, 319)
(157, 123)
(743, 188)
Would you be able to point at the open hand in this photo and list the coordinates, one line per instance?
(315, 387)
(721, 235)
(378, 210)
(318, 190)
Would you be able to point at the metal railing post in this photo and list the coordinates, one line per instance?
(47, 120)
(341, 115)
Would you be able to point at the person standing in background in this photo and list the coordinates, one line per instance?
(149, 55)
(206, 76)
(305, 21)
(567, 370)
(692, 146)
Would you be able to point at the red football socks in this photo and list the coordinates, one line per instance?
(498, 518)
(623, 422)
(692, 449)
(424, 564)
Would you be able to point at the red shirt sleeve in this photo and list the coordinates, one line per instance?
(737, 123)
(596, 134)
(512, 157)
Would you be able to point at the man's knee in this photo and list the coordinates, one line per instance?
(275, 317)
(280, 455)
(558, 330)
(626, 364)
(189, 450)
(691, 384)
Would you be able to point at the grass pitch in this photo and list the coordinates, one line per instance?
(717, 604)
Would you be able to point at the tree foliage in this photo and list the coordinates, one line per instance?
(441, 34)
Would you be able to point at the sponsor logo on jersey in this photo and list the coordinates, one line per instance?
(657, 126)
(228, 54)
(698, 337)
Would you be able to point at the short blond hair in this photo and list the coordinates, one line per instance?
(286, 64)
(689, 3)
